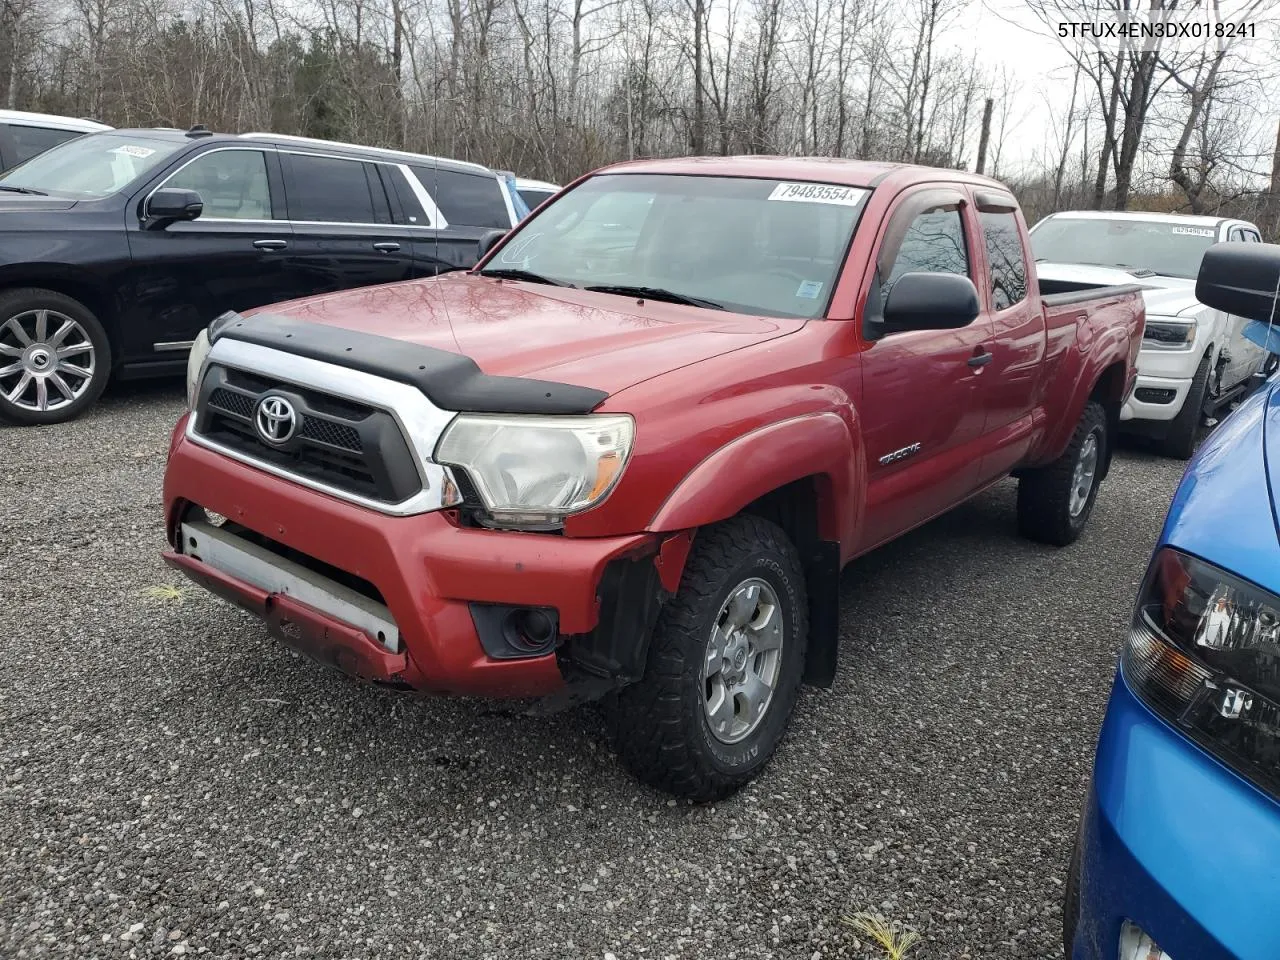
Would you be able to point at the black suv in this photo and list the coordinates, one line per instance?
(117, 248)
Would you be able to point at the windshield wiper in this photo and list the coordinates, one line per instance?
(27, 190)
(656, 293)
(515, 273)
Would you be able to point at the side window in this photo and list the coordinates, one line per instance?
(30, 141)
(934, 243)
(232, 183)
(466, 199)
(1004, 250)
(1250, 236)
(328, 190)
(1235, 234)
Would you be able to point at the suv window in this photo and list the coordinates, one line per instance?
(29, 141)
(1008, 265)
(329, 190)
(934, 243)
(466, 199)
(232, 183)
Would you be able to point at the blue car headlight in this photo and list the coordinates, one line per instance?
(1204, 653)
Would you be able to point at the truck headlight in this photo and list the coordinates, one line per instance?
(532, 472)
(200, 348)
(1168, 332)
(1204, 653)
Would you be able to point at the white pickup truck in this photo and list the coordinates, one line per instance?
(1194, 359)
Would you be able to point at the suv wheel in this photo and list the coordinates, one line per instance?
(1180, 441)
(724, 666)
(54, 357)
(1054, 501)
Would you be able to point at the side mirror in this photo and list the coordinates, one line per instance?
(169, 204)
(930, 301)
(488, 241)
(1240, 279)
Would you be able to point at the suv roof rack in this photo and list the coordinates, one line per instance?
(380, 151)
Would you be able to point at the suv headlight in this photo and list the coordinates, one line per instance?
(200, 348)
(1168, 332)
(532, 472)
(1204, 653)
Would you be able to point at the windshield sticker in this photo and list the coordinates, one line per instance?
(130, 150)
(810, 289)
(1194, 232)
(818, 193)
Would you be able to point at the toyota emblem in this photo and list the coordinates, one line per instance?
(276, 419)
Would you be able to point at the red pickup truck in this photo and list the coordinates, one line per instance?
(627, 455)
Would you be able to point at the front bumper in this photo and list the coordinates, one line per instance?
(1171, 392)
(431, 574)
(1175, 843)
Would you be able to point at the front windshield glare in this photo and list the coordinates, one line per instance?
(766, 247)
(1165, 248)
(93, 166)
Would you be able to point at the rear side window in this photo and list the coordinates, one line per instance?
(934, 243)
(30, 141)
(534, 197)
(328, 190)
(466, 199)
(1004, 251)
(232, 183)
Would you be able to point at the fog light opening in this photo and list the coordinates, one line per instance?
(530, 630)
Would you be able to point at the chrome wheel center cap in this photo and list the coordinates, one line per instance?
(39, 360)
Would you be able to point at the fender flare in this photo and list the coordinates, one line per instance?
(821, 445)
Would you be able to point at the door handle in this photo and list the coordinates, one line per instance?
(387, 247)
(271, 244)
(980, 358)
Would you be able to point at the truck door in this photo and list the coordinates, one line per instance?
(1012, 378)
(921, 413)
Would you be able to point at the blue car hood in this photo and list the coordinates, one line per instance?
(1225, 509)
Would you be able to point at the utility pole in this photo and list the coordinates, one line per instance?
(985, 138)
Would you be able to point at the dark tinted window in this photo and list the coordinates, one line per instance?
(1008, 266)
(326, 190)
(30, 141)
(466, 199)
(934, 243)
(534, 197)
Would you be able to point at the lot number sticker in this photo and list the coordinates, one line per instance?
(818, 193)
(129, 150)
(1193, 231)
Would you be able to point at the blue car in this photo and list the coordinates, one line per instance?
(1178, 855)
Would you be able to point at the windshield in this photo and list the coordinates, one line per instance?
(754, 246)
(90, 167)
(1168, 249)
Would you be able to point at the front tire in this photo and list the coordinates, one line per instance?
(1054, 501)
(1180, 441)
(54, 357)
(724, 666)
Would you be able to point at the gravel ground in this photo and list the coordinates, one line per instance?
(174, 782)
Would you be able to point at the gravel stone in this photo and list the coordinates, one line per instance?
(175, 783)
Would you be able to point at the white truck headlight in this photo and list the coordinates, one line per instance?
(200, 348)
(1169, 332)
(532, 472)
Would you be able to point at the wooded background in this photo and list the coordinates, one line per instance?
(553, 88)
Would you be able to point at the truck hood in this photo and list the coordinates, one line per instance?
(1162, 296)
(518, 329)
(27, 203)
(1226, 506)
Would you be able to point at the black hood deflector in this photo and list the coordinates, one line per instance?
(449, 380)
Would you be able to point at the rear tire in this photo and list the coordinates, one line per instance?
(54, 357)
(679, 728)
(1184, 429)
(1054, 501)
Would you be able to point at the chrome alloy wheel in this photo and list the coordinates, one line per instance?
(743, 660)
(46, 360)
(1082, 476)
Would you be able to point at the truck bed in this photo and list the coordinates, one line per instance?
(1061, 293)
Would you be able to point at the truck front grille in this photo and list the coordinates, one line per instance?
(351, 447)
